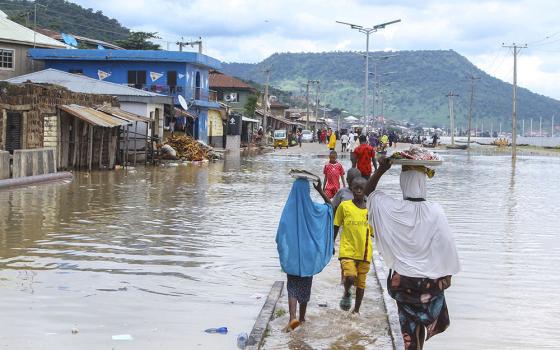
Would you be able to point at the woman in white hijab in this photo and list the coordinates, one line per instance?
(415, 240)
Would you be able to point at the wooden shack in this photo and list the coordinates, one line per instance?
(84, 129)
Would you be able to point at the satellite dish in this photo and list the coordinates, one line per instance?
(183, 102)
(69, 39)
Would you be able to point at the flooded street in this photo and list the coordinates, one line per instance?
(162, 254)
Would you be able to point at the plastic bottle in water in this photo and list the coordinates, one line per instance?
(242, 339)
(221, 330)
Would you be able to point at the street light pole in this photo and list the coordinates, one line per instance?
(367, 32)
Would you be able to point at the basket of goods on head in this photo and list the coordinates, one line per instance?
(416, 156)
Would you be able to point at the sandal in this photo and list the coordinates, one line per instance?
(346, 302)
(291, 326)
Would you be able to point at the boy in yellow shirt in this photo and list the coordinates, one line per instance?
(355, 244)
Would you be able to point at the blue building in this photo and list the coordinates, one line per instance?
(167, 72)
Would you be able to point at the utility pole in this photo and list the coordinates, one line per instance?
(523, 127)
(472, 78)
(450, 96)
(516, 48)
(265, 97)
(531, 127)
(540, 126)
(191, 43)
(307, 102)
(367, 32)
(317, 104)
(552, 130)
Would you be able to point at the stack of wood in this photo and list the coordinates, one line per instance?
(188, 148)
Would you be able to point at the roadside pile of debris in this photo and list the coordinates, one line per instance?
(187, 148)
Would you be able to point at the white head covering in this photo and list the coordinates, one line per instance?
(414, 238)
(413, 184)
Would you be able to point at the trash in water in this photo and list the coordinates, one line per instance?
(122, 337)
(242, 340)
(257, 296)
(323, 304)
(75, 331)
(221, 330)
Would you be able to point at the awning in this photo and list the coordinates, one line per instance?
(93, 116)
(119, 113)
(245, 119)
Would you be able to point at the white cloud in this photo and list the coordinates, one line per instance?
(250, 30)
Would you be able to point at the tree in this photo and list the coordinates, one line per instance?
(251, 105)
(139, 41)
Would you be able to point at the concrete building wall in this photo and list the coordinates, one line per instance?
(4, 165)
(22, 63)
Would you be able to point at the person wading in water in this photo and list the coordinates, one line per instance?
(415, 240)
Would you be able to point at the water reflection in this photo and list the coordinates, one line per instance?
(186, 248)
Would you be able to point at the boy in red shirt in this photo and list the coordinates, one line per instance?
(363, 156)
(333, 170)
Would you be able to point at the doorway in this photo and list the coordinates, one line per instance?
(14, 131)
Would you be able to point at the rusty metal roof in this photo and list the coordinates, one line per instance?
(93, 116)
(119, 113)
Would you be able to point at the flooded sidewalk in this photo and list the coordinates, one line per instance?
(329, 327)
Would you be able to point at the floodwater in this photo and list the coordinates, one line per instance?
(162, 254)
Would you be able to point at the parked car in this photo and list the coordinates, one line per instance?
(307, 136)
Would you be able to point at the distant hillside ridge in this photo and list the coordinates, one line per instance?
(67, 17)
(414, 85)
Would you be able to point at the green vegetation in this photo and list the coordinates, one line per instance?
(251, 105)
(415, 91)
(139, 41)
(67, 17)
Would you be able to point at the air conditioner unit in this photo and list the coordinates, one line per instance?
(231, 97)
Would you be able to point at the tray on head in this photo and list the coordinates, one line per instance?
(303, 174)
(427, 163)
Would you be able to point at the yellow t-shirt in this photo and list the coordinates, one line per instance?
(357, 234)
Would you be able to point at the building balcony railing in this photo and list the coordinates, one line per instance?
(197, 93)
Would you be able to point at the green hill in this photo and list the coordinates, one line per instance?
(64, 16)
(417, 90)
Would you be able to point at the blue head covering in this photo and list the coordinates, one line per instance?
(305, 233)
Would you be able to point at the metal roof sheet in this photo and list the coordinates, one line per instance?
(80, 83)
(13, 32)
(93, 117)
(119, 113)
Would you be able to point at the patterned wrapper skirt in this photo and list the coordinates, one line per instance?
(299, 288)
(421, 302)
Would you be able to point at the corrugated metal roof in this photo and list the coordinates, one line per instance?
(93, 117)
(13, 32)
(219, 80)
(80, 83)
(119, 113)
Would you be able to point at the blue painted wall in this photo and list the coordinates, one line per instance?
(118, 73)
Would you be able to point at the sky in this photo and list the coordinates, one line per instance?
(249, 31)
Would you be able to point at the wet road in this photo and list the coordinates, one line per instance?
(162, 254)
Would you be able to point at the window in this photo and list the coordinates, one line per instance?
(6, 59)
(137, 78)
(76, 71)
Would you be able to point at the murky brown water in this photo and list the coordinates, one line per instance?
(162, 254)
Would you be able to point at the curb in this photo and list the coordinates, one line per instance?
(29, 180)
(390, 305)
(256, 338)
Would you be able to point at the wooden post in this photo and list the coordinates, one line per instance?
(146, 147)
(90, 147)
(75, 148)
(135, 137)
(101, 149)
(112, 146)
(126, 146)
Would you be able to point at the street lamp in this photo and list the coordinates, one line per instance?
(367, 32)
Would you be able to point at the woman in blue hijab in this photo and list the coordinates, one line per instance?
(305, 244)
